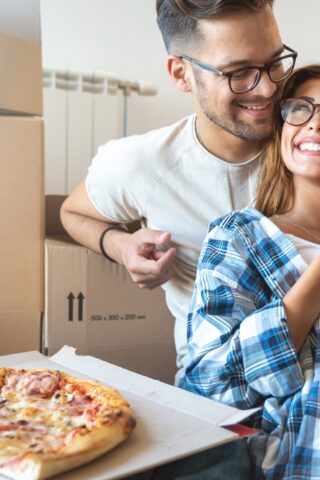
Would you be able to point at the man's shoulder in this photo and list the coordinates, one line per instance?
(143, 156)
(149, 153)
(157, 140)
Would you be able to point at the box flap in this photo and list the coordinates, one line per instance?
(214, 412)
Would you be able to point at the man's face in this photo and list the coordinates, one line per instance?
(233, 42)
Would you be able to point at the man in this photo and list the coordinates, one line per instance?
(178, 178)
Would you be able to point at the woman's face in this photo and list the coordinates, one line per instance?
(300, 145)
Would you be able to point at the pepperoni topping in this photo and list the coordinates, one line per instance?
(43, 384)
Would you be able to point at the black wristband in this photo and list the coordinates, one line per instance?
(102, 250)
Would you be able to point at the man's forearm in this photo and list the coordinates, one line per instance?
(87, 231)
(147, 267)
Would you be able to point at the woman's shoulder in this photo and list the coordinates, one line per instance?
(238, 220)
(230, 239)
(251, 231)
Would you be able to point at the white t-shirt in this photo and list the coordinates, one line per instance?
(167, 179)
(308, 250)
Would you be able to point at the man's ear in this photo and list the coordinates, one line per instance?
(179, 73)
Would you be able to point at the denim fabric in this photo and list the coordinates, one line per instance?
(227, 462)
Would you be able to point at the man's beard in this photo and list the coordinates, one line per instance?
(230, 122)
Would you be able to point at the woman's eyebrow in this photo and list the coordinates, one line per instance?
(310, 99)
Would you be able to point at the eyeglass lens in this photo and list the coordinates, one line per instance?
(245, 79)
(296, 112)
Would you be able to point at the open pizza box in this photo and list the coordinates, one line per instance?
(171, 423)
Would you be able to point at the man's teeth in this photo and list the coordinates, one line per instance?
(254, 107)
(311, 147)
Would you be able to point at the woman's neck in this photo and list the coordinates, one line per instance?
(303, 219)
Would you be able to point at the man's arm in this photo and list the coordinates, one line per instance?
(147, 266)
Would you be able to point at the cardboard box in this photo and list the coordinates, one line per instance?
(21, 75)
(171, 423)
(21, 19)
(93, 305)
(22, 233)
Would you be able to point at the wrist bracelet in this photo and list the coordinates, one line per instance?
(102, 250)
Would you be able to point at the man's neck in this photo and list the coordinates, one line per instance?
(223, 144)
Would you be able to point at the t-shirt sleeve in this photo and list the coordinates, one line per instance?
(114, 182)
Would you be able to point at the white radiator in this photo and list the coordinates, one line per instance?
(81, 112)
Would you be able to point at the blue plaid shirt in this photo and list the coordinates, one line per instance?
(240, 346)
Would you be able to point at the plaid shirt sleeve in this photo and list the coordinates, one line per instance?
(240, 347)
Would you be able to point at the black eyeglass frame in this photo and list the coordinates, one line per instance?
(313, 105)
(266, 67)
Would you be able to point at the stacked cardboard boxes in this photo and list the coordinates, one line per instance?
(90, 303)
(21, 179)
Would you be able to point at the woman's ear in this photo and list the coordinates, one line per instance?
(179, 73)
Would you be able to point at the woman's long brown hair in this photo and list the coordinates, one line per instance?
(275, 192)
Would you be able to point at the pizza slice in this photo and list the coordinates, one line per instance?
(51, 422)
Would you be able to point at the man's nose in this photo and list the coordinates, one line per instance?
(265, 87)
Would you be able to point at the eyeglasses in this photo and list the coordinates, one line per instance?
(297, 111)
(244, 79)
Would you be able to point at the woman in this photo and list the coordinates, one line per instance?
(253, 330)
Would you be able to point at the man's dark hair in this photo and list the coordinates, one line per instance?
(178, 19)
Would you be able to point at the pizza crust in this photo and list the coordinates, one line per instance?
(84, 447)
(38, 467)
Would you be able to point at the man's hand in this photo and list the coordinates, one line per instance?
(140, 252)
(147, 264)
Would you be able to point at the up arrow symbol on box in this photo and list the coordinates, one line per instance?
(80, 306)
(70, 299)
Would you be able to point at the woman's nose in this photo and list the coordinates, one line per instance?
(314, 122)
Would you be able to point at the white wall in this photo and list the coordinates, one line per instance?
(299, 26)
(122, 36)
(114, 36)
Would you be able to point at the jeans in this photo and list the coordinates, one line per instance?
(226, 462)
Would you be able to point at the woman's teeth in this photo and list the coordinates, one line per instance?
(310, 147)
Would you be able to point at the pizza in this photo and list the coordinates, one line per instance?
(51, 422)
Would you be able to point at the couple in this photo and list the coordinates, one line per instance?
(254, 322)
(228, 55)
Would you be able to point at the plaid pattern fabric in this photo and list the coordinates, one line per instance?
(240, 347)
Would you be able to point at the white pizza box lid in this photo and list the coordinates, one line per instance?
(171, 423)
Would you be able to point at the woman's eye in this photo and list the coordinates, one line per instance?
(300, 108)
